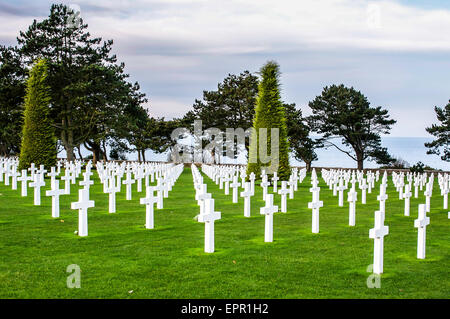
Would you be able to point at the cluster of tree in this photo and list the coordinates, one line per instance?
(92, 103)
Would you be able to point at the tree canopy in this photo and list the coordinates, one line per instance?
(342, 112)
(441, 145)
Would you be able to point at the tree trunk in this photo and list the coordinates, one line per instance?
(79, 152)
(308, 166)
(139, 155)
(143, 155)
(360, 160)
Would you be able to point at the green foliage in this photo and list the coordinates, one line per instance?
(441, 145)
(91, 97)
(232, 105)
(270, 113)
(342, 112)
(301, 144)
(38, 140)
(12, 92)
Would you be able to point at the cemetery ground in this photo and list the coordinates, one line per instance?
(122, 259)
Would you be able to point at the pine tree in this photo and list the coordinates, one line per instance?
(38, 139)
(269, 113)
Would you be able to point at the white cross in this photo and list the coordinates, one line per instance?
(283, 192)
(82, 205)
(202, 196)
(55, 192)
(264, 184)
(37, 184)
(315, 205)
(86, 182)
(382, 197)
(428, 194)
(24, 179)
(275, 179)
(421, 224)
(444, 193)
(377, 233)
(407, 195)
(128, 182)
(235, 186)
(363, 188)
(159, 188)
(291, 187)
(252, 181)
(247, 194)
(111, 190)
(14, 174)
(268, 211)
(352, 197)
(66, 179)
(341, 189)
(209, 217)
(149, 201)
(226, 181)
(52, 174)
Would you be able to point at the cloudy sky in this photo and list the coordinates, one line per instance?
(395, 52)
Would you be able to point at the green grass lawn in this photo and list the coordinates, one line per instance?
(120, 255)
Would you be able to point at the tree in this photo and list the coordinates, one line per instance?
(301, 144)
(12, 92)
(341, 112)
(441, 145)
(38, 140)
(89, 89)
(269, 113)
(232, 105)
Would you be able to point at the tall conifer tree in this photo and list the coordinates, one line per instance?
(269, 113)
(38, 139)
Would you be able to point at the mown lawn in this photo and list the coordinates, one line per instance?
(122, 259)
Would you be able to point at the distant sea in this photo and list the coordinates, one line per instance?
(409, 149)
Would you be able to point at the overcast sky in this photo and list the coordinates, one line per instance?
(397, 53)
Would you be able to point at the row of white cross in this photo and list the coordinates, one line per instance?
(110, 175)
(337, 180)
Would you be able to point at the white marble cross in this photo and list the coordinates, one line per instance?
(283, 192)
(37, 184)
(268, 211)
(428, 194)
(275, 179)
(341, 189)
(209, 217)
(128, 182)
(247, 194)
(14, 174)
(226, 185)
(66, 179)
(52, 174)
(363, 188)
(235, 187)
(203, 195)
(382, 197)
(82, 205)
(315, 205)
(444, 193)
(24, 180)
(160, 189)
(377, 233)
(352, 197)
(421, 224)
(86, 182)
(264, 184)
(111, 190)
(149, 201)
(55, 192)
(407, 195)
(252, 178)
(291, 184)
